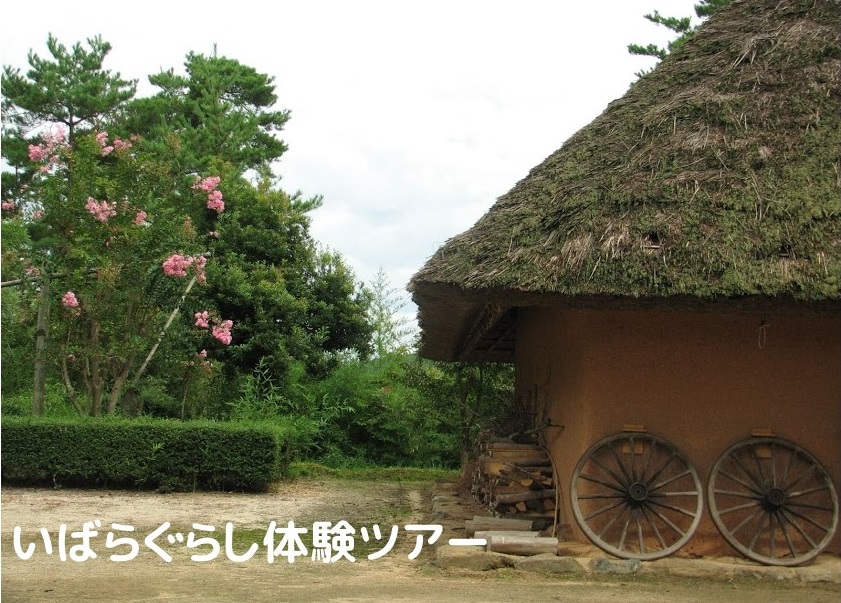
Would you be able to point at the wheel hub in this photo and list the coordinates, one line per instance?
(638, 493)
(774, 498)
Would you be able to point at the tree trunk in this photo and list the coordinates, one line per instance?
(172, 316)
(117, 387)
(68, 386)
(96, 373)
(41, 331)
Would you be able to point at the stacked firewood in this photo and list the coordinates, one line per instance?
(515, 479)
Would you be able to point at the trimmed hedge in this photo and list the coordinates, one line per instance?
(141, 453)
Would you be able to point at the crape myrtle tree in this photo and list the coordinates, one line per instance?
(151, 195)
(115, 250)
(71, 89)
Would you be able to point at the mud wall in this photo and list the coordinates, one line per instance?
(702, 380)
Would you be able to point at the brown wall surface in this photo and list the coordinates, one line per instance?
(702, 380)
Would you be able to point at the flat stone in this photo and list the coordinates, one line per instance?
(549, 563)
(825, 568)
(688, 568)
(603, 565)
(470, 557)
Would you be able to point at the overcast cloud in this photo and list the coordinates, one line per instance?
(410, 118)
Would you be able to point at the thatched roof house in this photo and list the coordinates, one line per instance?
(715, 177)
(677, 264)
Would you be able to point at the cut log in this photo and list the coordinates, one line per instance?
(541, 463)
(489, 534)
(521, 507)
(523, 545)
(526, 495)
(508, 445)
(479, 523)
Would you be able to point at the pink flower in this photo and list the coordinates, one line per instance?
(207, 184)
(107, 150)
(69, 300)
(140, 218)
(51, 141)
(222, 334)
(176, 265)
(121, 145)
(56, 136)
(37, 152)
(202, 320)
(101, 210)
(8, 205)
(214, 202)
(38, 214)
(102, 138)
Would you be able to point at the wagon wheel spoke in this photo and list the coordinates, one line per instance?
(794, 510)
(636, 496)
(654, 528)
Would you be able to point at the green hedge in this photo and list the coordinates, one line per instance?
(142, 453)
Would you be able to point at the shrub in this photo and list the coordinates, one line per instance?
(143, 453)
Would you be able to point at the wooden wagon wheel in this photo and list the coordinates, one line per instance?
(636, 496)
(773, 501)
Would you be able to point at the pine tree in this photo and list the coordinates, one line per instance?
(682, 26)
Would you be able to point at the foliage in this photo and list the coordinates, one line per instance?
(292, 302)
(466, 398)
(220, 111)
(182, 281)
(71, 88)
(168, 455)
(121, 219)
(391, 331)
(682, 26)
(403, 474)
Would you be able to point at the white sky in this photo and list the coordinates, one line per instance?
(409, 117)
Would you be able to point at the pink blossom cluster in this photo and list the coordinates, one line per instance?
(48, 149)
(214, 196)
(8, 205)
(69, 300)
(221, 331)
(107, 149)
(177, 265)
(101, 210)
(140, 218)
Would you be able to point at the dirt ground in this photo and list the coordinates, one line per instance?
(393, 577)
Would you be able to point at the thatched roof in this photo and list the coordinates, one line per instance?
(716, 176)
